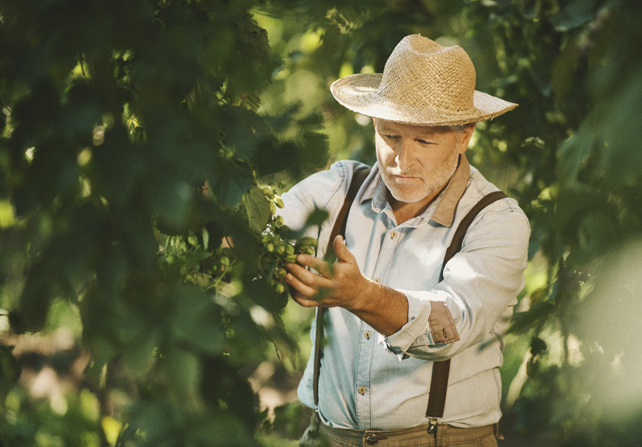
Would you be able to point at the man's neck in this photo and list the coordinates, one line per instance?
(404, 211)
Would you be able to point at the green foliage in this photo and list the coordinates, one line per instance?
(572, 140)
(116, 114)
(567, 154)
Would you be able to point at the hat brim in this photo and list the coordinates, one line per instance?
(360, 94)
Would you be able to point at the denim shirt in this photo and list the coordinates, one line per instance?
(369, 381)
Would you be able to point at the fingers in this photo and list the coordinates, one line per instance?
(303, 301)
(314, 263)
(299, 286)
(342, 252)
(333, 283)
(305, 282)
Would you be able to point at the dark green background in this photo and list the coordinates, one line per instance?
(115, 113)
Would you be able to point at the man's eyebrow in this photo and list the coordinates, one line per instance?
(426, 135)
(386, 129)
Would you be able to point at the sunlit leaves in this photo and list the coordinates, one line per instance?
(115, 115)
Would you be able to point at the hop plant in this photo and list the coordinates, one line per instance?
(192, 255)
(277, 248)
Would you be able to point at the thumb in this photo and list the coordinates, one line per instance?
(342, 252)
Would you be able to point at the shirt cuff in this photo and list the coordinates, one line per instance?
(430, 323)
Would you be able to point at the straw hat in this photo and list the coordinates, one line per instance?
(423, 83)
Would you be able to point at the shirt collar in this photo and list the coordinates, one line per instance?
(444, 212)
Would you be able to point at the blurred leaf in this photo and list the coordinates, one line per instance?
(575, 152)
(596, 234)
(538, 346)
(35, 300)
(527, 320)
(574, 14)
(193, 322)
(224, 387)
(9, 366)
(184, 374)
(618, 132)
(317, 217)
(231, 184)
(257, 209)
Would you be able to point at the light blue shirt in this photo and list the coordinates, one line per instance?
(369, 381)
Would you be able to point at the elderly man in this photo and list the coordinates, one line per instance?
(394, 313)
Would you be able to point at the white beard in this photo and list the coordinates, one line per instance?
(415, 190)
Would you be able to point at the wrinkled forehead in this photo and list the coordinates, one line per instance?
(391, 126)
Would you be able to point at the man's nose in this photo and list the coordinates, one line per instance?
(403, 158)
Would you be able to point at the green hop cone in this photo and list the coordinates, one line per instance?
(307, 250)
(307, 241)
(269, 192)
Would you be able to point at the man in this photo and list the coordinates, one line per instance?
(388, 316)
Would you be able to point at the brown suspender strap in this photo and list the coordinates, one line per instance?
(438, 387)
(441, 370)
(460, 233)
(339, 228)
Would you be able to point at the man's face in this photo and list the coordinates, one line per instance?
(416, 162)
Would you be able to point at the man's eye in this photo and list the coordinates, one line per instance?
(392, 137)
(425, 142)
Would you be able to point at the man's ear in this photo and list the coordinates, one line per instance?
(466, 135)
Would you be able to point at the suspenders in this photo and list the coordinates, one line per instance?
(441, 370)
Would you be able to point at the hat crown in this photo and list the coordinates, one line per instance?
(423, 84)
(420, 73)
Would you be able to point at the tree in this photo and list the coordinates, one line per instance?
(115, 114)
(568, 154)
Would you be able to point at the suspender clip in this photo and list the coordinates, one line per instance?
(432, 426)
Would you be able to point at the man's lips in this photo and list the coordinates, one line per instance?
(404, 178)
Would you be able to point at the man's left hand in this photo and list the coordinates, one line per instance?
(342, 284)
(329, 285)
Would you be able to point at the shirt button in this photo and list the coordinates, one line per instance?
(393, 234)
(367, 334)
(377, 280)
(362, 390)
